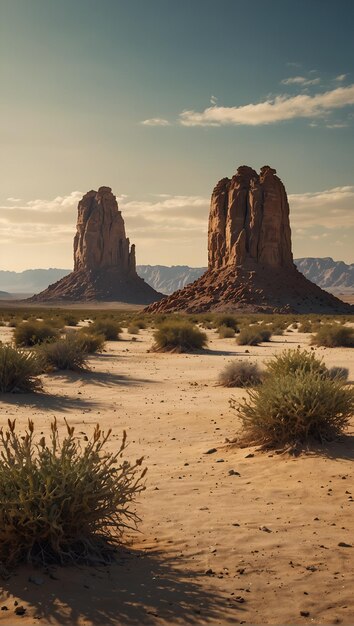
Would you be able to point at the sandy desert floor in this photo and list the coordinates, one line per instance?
(202, 556)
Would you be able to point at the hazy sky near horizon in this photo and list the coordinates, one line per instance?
(160, 99)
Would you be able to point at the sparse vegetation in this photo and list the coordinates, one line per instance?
(226, 320)
(64, 354)
(295, 405)
(133, 330)
(226, 332)
(291, 361)
(249, 337)
(240, 374)
(108, 328)
(19, 370)
(333, 336)
(61, 502)
(179, 336)
(29, 334)
(90, 342)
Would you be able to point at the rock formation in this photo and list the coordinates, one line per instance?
(104, 261)
(250, 262)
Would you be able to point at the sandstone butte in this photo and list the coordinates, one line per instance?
(250, 261)
(104, 260)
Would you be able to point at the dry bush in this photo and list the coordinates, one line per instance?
(61, 502)
(249, 337)
(338, 372)
(133, 330)
(226, 332)
(19, 370)
(64, 354)
(28, 334)
(109, 329)
(305, 326)
(178, 336)
(90, 342)
(334, 336)
(139, 322)
(226, 320)
(295, 404)
(70, 320)
(265, 334)
(240, 374)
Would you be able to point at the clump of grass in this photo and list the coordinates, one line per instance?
(249, 337)
(61, 502)
(108, 328)
(297, 402)
(64, 354)
(19, 370)
(305, 326)
(90, 342)
(178, 336)
(139, 322)
(28, 334)
(338, 372)
(265, 334)
(240, 374)
(133, 330)
(333, 336)
(226, 332)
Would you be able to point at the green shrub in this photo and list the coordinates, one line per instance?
(178, 336)
(226, 332)
(133, 330)
(240, 374)
(61, 502)
(64, 354)
(294, 406)
(90, 342)
(291, 361)
(249, 337)
(109, 329)
(28, 334)
(334, 336)
(18, 370)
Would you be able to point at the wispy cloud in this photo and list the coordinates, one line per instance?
(278, 109)
(341, 77)
(156, 121)
(300, 80)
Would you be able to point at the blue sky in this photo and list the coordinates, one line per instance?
(159, 99)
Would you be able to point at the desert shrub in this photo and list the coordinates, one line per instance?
(61, 502)
(296, 407)
(28, 334)
(295, 325)
(18, 370)
(291, 361)
(226, 320)
(70, 320)
(226, 332)
(90, 342)
(179, 336)
(109, 329)
(249, 337)
(64, 354)
(265, 334)
(305, 326)
(338, 372)
(14, 322)
(334, 336)
(240, 374)
(140, 323)
(133, 330)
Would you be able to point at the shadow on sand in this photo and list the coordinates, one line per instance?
(99, 378)
(48, 401)
(341, 449)
(140, 588)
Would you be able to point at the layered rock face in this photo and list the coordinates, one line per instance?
(250, 262)
(104, 261)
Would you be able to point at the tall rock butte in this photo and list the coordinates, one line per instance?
(104, 261)
(250, 262)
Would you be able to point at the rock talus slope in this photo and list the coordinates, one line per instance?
(250, 262)
(104, 260)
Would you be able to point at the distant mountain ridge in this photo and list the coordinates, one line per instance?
(325, 272)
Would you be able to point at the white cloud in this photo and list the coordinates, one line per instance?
(155, 121)
(278, 109)
(341, 77)
(331, 209)
(301, 80)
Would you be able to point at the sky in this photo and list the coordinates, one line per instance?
(160, 99)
